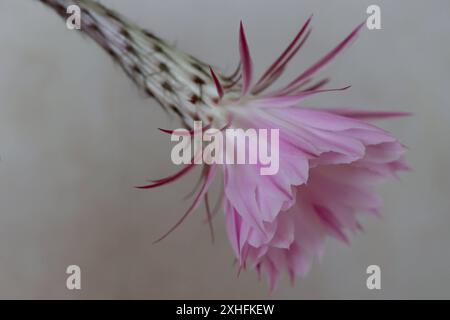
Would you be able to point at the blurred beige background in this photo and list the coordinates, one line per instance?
(76, 136)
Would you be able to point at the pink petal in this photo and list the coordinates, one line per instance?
(327, 58)
(217, 83)
(207, 182)
(276, 69)
(289, 101)
(367, 115)
(246, 60)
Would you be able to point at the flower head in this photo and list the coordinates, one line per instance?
(330, 160)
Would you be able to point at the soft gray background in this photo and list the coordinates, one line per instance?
(75, 136)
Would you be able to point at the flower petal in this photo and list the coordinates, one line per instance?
(246, 60)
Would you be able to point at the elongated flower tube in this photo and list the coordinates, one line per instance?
(330, 160)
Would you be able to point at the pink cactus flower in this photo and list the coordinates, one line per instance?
(330, 160)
